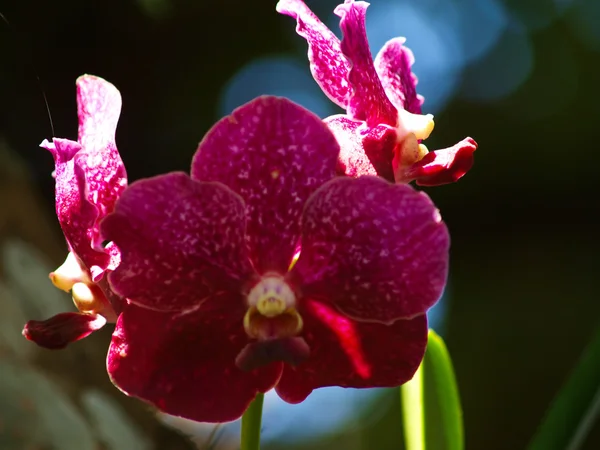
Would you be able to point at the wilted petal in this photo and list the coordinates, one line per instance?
(348, 353)
(89, 173)
(327, 63)
(185, 364)
(441, 166)
(393, 64)
(181, 241)
(275, 154)
(59, 331)
(375, 250)
(367, 100)
(364, 150)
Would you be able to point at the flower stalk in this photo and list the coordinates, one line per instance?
(413, 417)
(251, 423)
(431, 410)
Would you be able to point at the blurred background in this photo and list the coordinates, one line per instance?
(521, 77)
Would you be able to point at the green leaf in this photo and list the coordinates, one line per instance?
(432, 416)
(575, 408)
(35, 412)
(111, 424)
(251, 423)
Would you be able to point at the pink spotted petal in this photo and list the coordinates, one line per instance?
(353, 354)
(327, 63)
(76, 215)
(185, 364)
(441, 166)
(393, 64)
(364, 150)
(368, 100)
(98, 109)
(89, 173)
(181, 242)
(375, 250)
(274, 154)
(59, 331)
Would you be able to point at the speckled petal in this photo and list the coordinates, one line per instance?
(353, 354)
(98, 109)
(327, 63)
(393, 64)
(367, 100)
(364, 150)
(185, 364)
(62, 329)
(89, 173)
(375, 250)
(181, 241)
(275, 154)
(441, 166)
(76, 215)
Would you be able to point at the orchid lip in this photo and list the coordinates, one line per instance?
(272, 310)
(271, 296)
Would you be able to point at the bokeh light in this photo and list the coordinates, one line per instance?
(323, 413)
(447, 38)
(533, 15)
(584, 21)
(275, 75)
(501, 71)
(437, 52)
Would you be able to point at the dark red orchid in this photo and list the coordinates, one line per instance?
(383, 127)
(90, 176)
(262, 270)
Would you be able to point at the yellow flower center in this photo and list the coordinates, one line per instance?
(271, 310)
(87, 296)
(411, 129)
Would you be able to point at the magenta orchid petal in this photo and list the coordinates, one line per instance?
(76, 215)
(184, 364)
(368, 100)
(98, 109)
(375, 250)
(393, 65)
(348, 133)
(348, 353)
(442, 166)
(328, 65)
(62, 329)
(89, 173)
(181, 241)
(364, 150)
(274, 154)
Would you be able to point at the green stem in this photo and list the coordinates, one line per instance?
(438, 364)
(431, 412)
(251, 423)
(413, 417)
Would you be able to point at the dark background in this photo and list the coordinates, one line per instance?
(524, 222)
